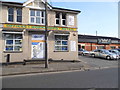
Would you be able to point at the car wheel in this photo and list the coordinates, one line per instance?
(83, 54)
(108, 58)
(93, 55)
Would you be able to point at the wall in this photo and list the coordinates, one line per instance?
(94, 46)
(70, 55)
(26, 53)
(1, 44)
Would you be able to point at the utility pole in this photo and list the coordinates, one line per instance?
(96, 33)
(46, 27)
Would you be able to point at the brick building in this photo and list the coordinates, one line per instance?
(90, 42)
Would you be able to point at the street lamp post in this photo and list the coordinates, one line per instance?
(46, 27)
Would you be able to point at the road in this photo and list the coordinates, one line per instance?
(101, 78)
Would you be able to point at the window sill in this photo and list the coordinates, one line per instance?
(60, 25)
(14, 22)
(13, 51)
(61, 51)
(36, 24)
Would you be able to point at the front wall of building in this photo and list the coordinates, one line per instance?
(25, 53)
(57, 55)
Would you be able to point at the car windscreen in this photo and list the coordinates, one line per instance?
(106, 52)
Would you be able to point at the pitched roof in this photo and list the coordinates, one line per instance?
(22, 4)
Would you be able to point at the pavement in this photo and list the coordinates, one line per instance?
(30, 68)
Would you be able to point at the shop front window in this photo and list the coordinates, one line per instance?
(61, 42)
(100, 47)
(13, 42)
(113, 47)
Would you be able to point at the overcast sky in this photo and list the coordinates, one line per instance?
(95, 15)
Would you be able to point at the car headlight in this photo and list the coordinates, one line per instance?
(114, 56)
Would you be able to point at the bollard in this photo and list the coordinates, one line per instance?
(8, 59)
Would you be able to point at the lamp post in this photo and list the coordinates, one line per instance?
(96, 33)
(46, 27)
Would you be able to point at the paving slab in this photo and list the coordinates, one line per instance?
(40, 68)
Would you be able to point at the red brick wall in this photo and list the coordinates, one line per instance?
(94, 45)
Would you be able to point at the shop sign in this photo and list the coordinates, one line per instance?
(37, 27)
(104, 41)
(71, 20)
(38, 43)
(73, 45)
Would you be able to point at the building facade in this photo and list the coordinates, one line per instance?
(89, 42)
(22, 32)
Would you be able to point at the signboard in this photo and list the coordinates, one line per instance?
(104, 41)
(71, 20)
(38, 46)
(37, 27)
(73, 45)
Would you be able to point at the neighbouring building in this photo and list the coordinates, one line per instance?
(22, 31)
(89, 42)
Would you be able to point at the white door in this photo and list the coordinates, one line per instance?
(38, 46)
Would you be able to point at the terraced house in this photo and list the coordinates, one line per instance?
(22, 31)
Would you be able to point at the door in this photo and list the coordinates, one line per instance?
(38, 46)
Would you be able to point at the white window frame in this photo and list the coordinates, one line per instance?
(60, 20)
(14, 39)
(37, 17)
(18, 15)
(63, 20)
(10, 14)
(61, 42)
(14, 15)
(57, 19)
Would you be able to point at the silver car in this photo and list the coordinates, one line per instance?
(115, 52)
(83, 52)
(102, 53)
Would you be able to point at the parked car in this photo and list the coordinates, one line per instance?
(117, 49)
(102, 53)
(83, 52)
(115, 52)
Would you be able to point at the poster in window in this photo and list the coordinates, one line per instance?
(71, 20)
(38, 46)
(73, 45)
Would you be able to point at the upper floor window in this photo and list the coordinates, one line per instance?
(60, 18)
(37, 17)
(19, 15)
(63, 18)
(57, 18)
(11, 14)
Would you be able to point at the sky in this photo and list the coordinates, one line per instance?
(100, 16)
